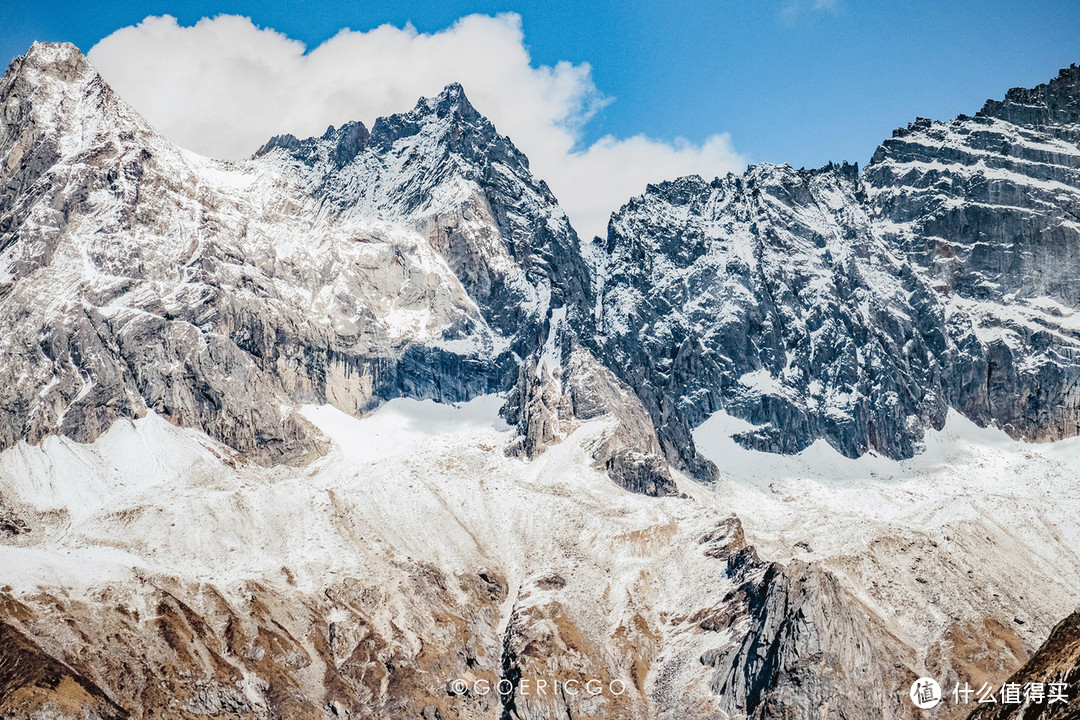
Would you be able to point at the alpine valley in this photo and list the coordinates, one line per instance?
(360, 427)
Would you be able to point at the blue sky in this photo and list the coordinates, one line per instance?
(803, 81)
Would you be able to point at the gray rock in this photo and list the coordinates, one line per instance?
(553, 398)
(420, 259)
(805, 648)
(1056, 662)
(859, 307)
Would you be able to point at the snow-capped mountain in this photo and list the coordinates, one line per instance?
(216, 294)
(772, 296)
(989, 209)
(324, 432)
(421, 260)
(860, 307)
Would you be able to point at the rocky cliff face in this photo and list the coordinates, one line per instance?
(421, 259)
(987, 207)
(858, 307)
(1055, 662)
(773, 296)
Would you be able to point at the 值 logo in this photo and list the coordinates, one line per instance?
(925, 693)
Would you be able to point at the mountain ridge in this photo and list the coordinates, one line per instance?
(923, 201)
(226, 490)
(434, 254)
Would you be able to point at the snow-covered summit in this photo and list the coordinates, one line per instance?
(422, 259)
(858, 307)
(1054, 105)
(445, 163)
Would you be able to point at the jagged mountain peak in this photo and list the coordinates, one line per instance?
(55, 79)
(859, 307)
(451, 103)
(405, 158)
(338, 146)
(349, 268)
(1048, 104)
(450, 100)
(454, 93)
(763, 173)
(450, 106)
(445, 161)
(695, 191)
(747, 293)
(61, 60)
(39, 84)
(55, 103)
(451, 122)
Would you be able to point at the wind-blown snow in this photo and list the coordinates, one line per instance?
(415, 481)
(923, 541)
(976, 519)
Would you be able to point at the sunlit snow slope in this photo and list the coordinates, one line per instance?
(418, 534)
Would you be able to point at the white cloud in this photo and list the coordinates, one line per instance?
(224, 86)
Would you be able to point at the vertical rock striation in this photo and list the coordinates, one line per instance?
(858, 307)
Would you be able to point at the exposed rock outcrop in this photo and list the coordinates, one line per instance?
(1058, 662)
(419, 259)
(805, 647)
(858, 307)
(36, 686)
(565, 385)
